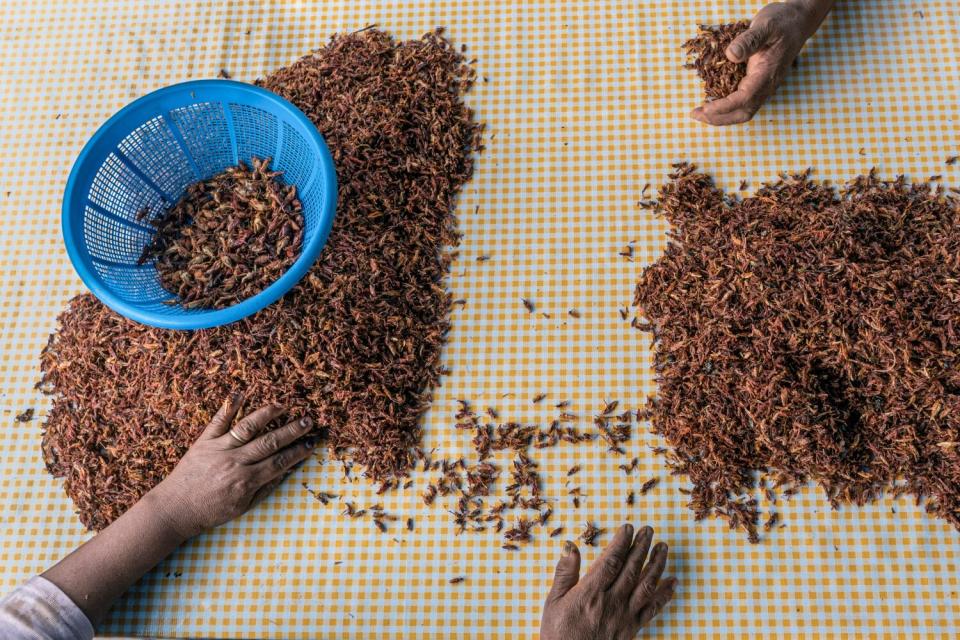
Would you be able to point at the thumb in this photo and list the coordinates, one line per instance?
(567, 573)
(748, 43)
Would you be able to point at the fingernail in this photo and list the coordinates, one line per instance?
(647, 531)
(628, 529)
(236, 397)
(568, 548)
(306, 422)
(310, 442)
(736, 50)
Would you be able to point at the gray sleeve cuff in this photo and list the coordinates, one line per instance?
(39, 610)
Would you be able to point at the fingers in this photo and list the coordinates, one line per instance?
(739, 106)
(605, 570)
(250, 426)
(276, 468)
(646, 587)
(627, 580)
(567, 573)
(748, 43)
(279, 464)
(662, 595)
(221, 422)
(266, 445)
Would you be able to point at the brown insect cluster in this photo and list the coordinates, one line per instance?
(590, 534)
(614, 429)
(706, 54)
(228, 238)
(356, 344)
(481, 504)
(808, 334)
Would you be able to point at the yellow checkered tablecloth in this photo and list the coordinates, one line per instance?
(586, 103)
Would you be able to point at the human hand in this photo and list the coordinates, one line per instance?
(617, 597)
(226, 471)
(769, 47)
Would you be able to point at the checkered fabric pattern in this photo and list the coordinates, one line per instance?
(586, 103)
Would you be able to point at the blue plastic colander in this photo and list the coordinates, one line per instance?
(147, 154)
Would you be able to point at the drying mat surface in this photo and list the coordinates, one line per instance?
(586, 103)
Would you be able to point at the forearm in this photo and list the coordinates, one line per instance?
(98, 573)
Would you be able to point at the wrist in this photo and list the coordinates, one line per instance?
(159, 507)
(813, 12)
